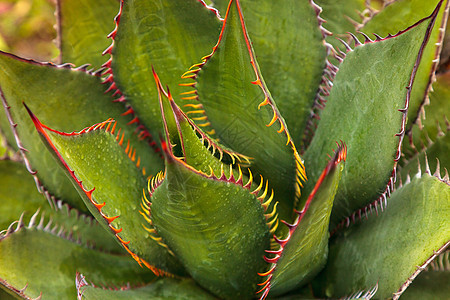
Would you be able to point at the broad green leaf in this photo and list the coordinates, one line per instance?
(66, 99)
(216, 227)
(363, 111)
(303, 253)
(170, 35)
(82, 28)
(397, 16)
(166, 288)
(97, 165)
(47, 262)
(388, 248)
(240, 109)
(18, 194)
(289, 45)
(433, 282)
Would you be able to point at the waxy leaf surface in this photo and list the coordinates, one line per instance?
(239, 107)
(166, 288)
(214, 226)
(67, 99)
(18, 194)
(291, 54)
(80, 40)
(363, 111)
(47, 263)
(94, 159)
(170, 35)
(397, 16)
(433, 282)
(388, 248)
(306, 251)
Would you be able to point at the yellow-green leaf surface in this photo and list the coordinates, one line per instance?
(46, 261)
(97, 164)
(243, 114)
(83, 27)
(289, 45)
(170, 35)
(216, 227)
(432, 283)
(363, 111)
(66, 99)
(397, 16)
(187, 141)
(388, 248)
(18, 194)
(166, 288)
(303, 253)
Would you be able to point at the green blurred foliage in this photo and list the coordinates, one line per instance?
(26, 28)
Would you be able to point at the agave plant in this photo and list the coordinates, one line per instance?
(233, 149)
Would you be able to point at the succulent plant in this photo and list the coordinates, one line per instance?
(232, 149)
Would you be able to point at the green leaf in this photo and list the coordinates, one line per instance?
(187, 141)
(214, 225)
(303, 253)
(364, 110)
(18, 194)
(46, 261)
(81, 40)
(67, 99)
(243, 114)
(97, 163)
(166, 288)
(388, 248)
(291, 54)
(397, 16)
(171, 35)
(5, 295)
(433, 282)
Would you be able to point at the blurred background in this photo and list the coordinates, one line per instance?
(26, 28)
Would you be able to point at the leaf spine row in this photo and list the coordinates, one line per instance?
(340, 155)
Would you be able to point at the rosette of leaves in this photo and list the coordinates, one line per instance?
(230, 151)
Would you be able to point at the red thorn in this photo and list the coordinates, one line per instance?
(108, 50)
(108, 79)
(121, 99)
(135, 120)
(272, 260)
(122, 241)
(110, 219)
(113, 86)
(98, 206)
(116, 231)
